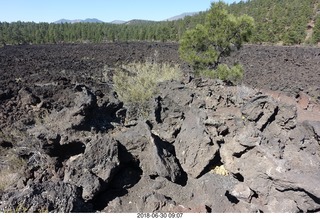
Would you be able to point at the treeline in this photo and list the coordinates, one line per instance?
(40, 33)
(277, 21)
(284, 21)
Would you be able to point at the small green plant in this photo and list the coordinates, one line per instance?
(137, 82)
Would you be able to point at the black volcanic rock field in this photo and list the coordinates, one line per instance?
(68, 144)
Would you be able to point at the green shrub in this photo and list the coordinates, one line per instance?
(233, 74)
(225, 73)
(137, 82)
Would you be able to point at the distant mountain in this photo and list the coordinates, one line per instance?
(118, 22)
(61, 21)
(181, 16)
(92, 20)
(138, 21)
(134, 21)
(88, 20)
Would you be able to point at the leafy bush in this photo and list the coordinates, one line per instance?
(204, 46)
(136, 82)
(225, 73)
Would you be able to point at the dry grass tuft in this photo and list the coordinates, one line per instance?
(10, 168)
(136, 82)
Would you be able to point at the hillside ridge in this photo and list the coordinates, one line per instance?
(286, 22)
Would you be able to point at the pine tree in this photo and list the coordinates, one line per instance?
(204, 45)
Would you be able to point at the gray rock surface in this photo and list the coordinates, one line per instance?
(196, 146)
(95, 168)
(44, 197)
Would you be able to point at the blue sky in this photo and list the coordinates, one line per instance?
(105, 10)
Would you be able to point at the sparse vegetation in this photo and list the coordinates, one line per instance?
(10, 168)
(136, 82)
(21, 208)
(204, 46)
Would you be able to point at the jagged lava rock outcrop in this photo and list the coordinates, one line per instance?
(94, 153)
